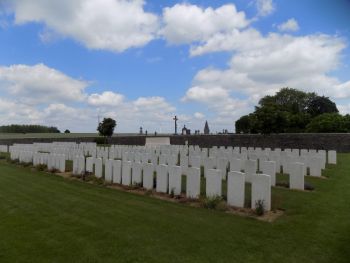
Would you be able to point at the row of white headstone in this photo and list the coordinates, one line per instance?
(219, 164)
(169, 179)
(3, 148)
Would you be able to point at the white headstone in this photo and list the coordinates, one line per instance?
(148, 170)
(193, 182)
(209, 163)
(62, 163)
(175, 175)
(315, 166)
(195, 161)
(172, 160)
(117, 171)
(163, 159)
(236, 189)
(236, 165)
(136, 173)
(81, 164)
(296, 176)
(90, 164)
(261, 190)
(250, 168)
(126, 173)
(222, 164)
(98, 167)
(323, 155)
(109, 170)
(269, 168)
(332, 157)
(213, 184)
(162, 179)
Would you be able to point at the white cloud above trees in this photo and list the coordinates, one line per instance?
(185, 23)
(290, 25)
(97, 24)
(259, 64)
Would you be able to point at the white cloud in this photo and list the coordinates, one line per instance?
(11, 111)
(203, 94)
(153, 104)
(261, 65)
(185, 23)
(344, 108)
(229, 41)
(289, 25)
(42, 95)
(265, 7)
(98, 24)
(40, 84)
(107, 98)
(199, 115)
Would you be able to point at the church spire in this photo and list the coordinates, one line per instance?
(206, 128)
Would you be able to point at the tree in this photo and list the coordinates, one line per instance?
(247, 124)
(289, 110)
(327, 122)
(297, 122)
(32, 128)
(67, 131)
(319, 105)
(243, 125)
(290, 100)
(106, 127)
(271, 120)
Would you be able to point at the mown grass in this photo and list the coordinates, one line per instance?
(46, 218)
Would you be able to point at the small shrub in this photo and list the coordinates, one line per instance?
(26, 164)
(259, 207)
(221, 206)
(98, 181)
(87, 176)
(211, 202)
(41, 167)
(172, 194)
(53, 170)
(309, 187)
(136, 185)
(15, 161)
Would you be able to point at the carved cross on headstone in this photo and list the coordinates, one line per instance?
(175, 119)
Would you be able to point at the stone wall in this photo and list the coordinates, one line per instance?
(339, 142)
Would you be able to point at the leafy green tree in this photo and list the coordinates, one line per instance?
(287, 99)
(327, 122)
(243, 125)
(346, 119)
(247, 124)
(106, 127)
(297, 122)
(320, 104)
(289, 110)
(17, 128)
(271, 120)
(67, 131)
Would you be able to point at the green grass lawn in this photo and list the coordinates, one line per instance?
(46, 218)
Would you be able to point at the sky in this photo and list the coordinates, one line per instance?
(70, 63)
